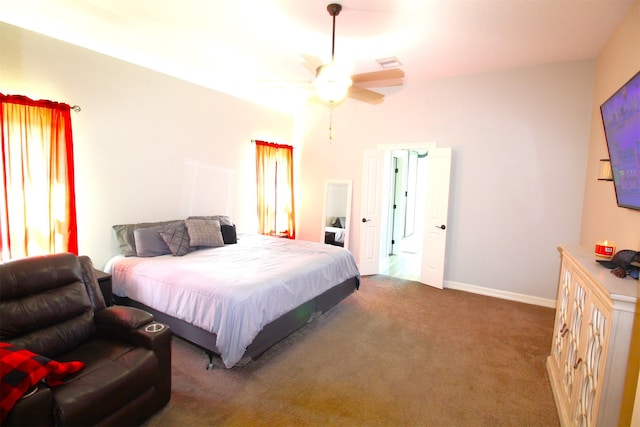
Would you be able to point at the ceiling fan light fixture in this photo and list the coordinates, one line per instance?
(332, 83)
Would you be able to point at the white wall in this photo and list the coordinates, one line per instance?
(519, 140)
(147, 146)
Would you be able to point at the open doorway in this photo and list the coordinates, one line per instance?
(374, 232)
(402, 236)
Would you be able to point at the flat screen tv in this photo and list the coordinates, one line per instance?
(621, 119)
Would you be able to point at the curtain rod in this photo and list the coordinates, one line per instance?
(274, 144)
(75, 108)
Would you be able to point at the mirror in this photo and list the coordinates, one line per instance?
(336, 216)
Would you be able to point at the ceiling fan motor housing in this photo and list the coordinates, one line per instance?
(334, 9)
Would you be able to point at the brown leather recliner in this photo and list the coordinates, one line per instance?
(52, 305)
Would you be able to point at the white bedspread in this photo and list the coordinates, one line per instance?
(235, 290)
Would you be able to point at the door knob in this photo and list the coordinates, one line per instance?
(366, 219)
(442, 227)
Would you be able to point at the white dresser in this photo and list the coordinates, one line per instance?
(592, 371)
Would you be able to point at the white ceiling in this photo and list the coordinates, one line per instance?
(248, 47)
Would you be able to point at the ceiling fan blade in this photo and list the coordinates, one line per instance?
(311, 63)
(365, 95)
(382, 78)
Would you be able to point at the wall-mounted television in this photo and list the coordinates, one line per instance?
(621, 120)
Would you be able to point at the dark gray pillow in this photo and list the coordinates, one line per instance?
(229, 234)
(125, 238)
(150, 243)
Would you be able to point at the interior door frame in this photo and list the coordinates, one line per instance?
(396, 186)
(373, 263)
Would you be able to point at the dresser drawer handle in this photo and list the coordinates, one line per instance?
(575, 366)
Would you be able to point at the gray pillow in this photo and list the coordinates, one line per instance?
(125, 238)
(222, 219)
(204, 232)
(177, 239)
(149, 242)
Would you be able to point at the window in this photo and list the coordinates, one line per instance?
(274, 172)
(37, 206)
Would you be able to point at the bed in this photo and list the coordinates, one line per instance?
(238, 299)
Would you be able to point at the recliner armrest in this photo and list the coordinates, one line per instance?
(132, 325)
(120, 323)
(154, 336)
(123, 317)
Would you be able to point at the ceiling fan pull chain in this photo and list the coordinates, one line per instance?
(331, 123)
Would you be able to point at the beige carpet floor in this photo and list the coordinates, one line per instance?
(395, 353)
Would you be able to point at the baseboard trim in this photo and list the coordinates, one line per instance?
(527, 299)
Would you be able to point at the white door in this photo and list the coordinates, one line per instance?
(436, 210)
(370, 211)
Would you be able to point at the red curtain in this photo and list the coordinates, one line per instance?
(274, 173)
(37, 206)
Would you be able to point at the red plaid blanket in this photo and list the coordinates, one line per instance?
(21, 369)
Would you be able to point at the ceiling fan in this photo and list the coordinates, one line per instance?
(334, 84)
